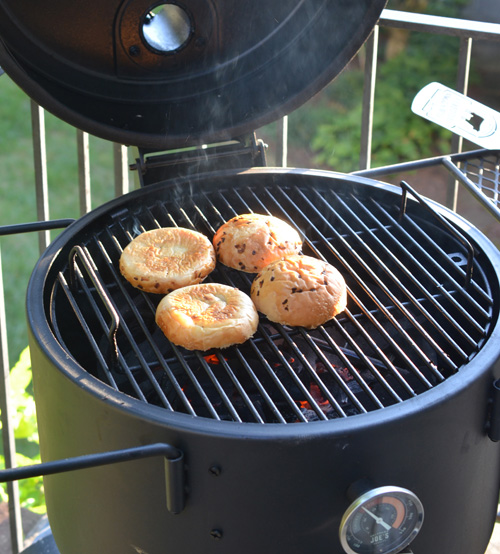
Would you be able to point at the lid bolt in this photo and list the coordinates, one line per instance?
(215, 471)
(216, 534)
(200, 42)
(134, 50)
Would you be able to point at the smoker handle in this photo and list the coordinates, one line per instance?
(174, 468)
(455, 232)
(494, 416)
(34, 226)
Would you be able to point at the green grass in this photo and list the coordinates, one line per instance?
(19, 253)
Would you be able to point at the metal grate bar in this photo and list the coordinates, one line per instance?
(342, 354)
(104, 326)
(138, 317)
(85, 328)
(142, 325)
(401, 353)
(391, 237)
(288, 338)
(285, 336)
(382, 360)
(363, 246)
(284, 362)
(220, 390)
(298, 353)
(239, 387)
(197, 386)
(375, 354)
(305, 393)
(430, 261)
(483, 174)
(276, 413)
(339, 239)
(285, 215)
(430, 297)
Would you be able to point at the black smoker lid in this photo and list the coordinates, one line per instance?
(163, 75)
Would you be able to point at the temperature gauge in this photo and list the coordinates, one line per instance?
(383, 520)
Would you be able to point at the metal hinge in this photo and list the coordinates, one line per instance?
(240, 153)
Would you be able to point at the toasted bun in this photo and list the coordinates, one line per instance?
(166, 259)
(299, 290)
(210, 315)
(249, 242)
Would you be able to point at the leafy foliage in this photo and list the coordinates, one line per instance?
(26, 434)
(398, 135)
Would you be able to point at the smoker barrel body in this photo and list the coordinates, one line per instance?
(257, 487)
(276, 486)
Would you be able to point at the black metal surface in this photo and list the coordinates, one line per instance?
(244, 64)
(477, 170)
(494, 424)
(32, 226)
(422, 301)
(481, 176)
(244, 153)
(273, 484)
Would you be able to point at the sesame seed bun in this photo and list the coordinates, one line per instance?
(299, 291)
(249, 242)
(166, 259)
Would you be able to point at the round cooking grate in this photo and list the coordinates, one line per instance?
(420, 302)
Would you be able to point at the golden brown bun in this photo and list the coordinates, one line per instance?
(249, 242)
(299, 290)
(210, 315)
(165, 259)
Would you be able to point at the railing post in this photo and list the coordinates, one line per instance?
(463, 72)
(120, 157)
(9, 445)
(368, 99)
(82, 142)
(282, 143)
(40, 165)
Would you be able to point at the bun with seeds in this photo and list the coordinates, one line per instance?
(163, 260)
(249, 242)
(205, 316)
(299, 291)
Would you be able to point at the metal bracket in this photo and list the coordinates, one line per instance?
(494, 415)
(174, 468)
(459, 236)
(34, 226)
(240, 153)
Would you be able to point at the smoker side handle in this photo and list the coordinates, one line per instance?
(174, 468)
(34, 226)
(494, 416)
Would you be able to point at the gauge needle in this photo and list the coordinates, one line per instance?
(378, 519)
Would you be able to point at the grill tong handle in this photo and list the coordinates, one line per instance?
(174, 468)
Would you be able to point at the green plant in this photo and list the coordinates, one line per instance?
(398, 135)
(26, 433)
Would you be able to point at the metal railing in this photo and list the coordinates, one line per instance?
(467, 31)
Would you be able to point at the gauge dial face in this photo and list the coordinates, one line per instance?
(381, 521)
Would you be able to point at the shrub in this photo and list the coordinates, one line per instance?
(26, 433)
